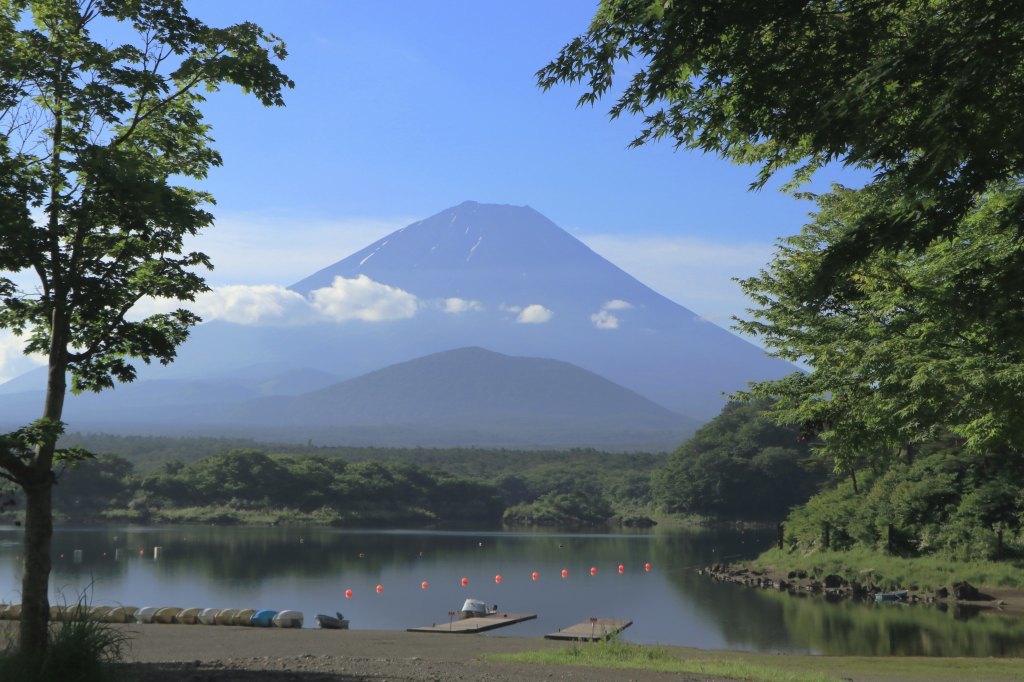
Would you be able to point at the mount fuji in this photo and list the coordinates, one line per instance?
(497, 277)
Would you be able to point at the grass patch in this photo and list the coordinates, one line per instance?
(617, 654)
(79, 649)
(888, 572)
(757, 667)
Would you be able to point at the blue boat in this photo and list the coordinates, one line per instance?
(263, 619)
(899, 595)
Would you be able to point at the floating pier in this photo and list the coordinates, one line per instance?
(591, 630)
(470, 626)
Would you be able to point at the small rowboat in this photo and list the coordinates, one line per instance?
(288, 619)
(119, 614)
(145, 614)
(263, 619)
(226, 617)
(898, 595)
(99, 613)
(166, 614)
(244, 617)
(188, 616)
(332, 623)
(208, 616)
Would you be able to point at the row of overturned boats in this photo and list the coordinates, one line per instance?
(165, 615)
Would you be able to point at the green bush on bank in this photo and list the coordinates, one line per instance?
(946, 502)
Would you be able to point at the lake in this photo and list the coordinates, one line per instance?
(309, 569)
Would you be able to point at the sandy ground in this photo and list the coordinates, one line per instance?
(182, 653)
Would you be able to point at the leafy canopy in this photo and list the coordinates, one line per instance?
(901, 352)
(927, 94)
(95, 141)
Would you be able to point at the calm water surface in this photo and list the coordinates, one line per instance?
(309, 569)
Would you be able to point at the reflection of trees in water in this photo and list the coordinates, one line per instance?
(742, 617)
(247, 556)
(765, 619)
(879, 630)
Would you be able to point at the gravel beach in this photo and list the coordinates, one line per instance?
(182, 653)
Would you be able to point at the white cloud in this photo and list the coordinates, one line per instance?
(274, 305)
(363, 299)
(617, 304)
(511, 308)
(534, 314)
(604, 320)
(460, 305)
(260, 304)
(13, 360)
(696, 273)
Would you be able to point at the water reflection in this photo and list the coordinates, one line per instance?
(308, 569)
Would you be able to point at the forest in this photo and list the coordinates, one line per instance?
(167, 480)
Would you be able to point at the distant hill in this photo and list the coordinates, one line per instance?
(463, 397)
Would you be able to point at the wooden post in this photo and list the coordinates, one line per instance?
(782, 531)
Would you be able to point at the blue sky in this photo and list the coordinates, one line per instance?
(402, 109)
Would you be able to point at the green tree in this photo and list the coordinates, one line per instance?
(926, 94)
(100, 114)
(899, 353)
(740, 465)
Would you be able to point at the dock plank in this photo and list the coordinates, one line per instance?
(591, 630)
(469, 626)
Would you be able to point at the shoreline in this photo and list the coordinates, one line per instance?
(236, 654)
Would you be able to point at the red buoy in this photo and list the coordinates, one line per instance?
(348, 594)
(622, 569)
(380, 588)
(464, 581)
(647, 567)
(593, 570)
(424, 585)
(497, 579)
(565, 573)
(534, 575)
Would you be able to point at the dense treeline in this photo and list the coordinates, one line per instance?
(350, 486)
(739, 465)
(943, 500)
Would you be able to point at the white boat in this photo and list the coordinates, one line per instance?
(244, 617)
(188, 616)
(145, 614)
(474, 608)
(166, 614)
(226, 617)
(208, 616)
(288, 619)
(119, 614)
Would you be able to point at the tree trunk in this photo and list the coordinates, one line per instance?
(35, 581)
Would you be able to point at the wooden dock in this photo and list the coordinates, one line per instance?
(591, 630)
(470, 626)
